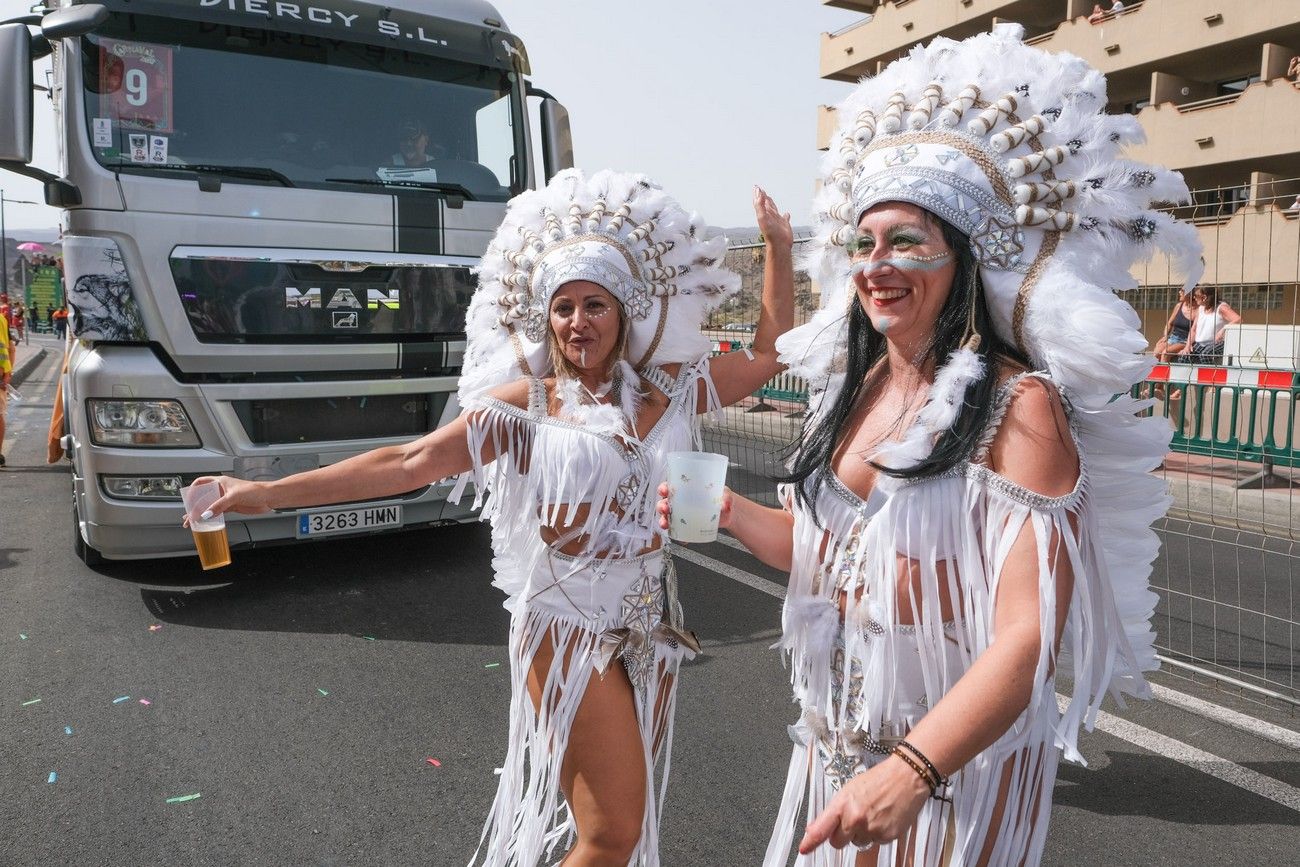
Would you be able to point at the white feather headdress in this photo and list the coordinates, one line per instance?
(1011, 145)
(620, 231)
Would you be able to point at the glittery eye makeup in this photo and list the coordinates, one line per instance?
(592, 309)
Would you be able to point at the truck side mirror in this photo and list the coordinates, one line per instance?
(71, 21)
(15, 94)
(557, 139)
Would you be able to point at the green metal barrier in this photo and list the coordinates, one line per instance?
(1234, 413)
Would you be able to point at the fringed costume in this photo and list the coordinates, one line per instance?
(959, 129)
(614, 602)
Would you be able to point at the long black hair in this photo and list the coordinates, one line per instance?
(811, 453)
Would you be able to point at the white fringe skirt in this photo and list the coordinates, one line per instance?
(593, 613)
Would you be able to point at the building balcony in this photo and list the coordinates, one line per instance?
(1193, 35)
(1259, 127)
(1257, 245)
(856, 5)
(1177, 36)
(896, 25)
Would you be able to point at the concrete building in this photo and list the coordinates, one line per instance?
(1209, 82)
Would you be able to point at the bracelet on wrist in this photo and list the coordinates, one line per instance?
(939, 784)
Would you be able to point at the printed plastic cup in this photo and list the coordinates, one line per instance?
(209, 533)
(695, 483)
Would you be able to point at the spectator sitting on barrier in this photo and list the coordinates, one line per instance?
(1097, 14)
(1177, 328)
(1293, 69)
(1212, 317)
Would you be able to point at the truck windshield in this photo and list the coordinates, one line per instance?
(258, 106)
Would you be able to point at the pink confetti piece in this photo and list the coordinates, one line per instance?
(145, 701)
(154, 627)
(434, 762)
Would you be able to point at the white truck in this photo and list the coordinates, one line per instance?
(270, 211)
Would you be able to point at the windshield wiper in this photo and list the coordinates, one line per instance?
(454, 189)
(255, 173)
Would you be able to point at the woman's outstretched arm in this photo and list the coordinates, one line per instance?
(736, 375)
(382, 472)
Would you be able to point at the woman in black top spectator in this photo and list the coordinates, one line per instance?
(1177, 328)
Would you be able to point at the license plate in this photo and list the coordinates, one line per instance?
(313, 524)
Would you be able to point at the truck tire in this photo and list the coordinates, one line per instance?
(84, 552)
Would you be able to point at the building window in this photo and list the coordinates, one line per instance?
(1241, 297)
(1235, 85)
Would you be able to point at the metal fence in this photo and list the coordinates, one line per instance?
(1228, 574)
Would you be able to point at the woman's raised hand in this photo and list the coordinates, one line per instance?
(774, 225)
(665, 510)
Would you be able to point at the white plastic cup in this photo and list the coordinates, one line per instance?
(695, 486)
(209, 533)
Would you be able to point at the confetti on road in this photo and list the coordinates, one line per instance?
(53, 777)
(145, 701)
(493, 665)
(121, 699)
(368, 637)
(180, 799)
(67, 730)
(321, 691)
(154, 627)
(434, 762)
(22, 636)
(31, 701)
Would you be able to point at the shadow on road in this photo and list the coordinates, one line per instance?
(1162, 788)
(427, 585)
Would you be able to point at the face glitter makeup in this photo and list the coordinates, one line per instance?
(903, 263)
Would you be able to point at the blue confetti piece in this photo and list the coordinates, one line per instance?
(67, 730)
(22, 636)
(121, 699)
(53, 777)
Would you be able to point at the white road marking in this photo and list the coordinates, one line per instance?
(1185, 754)
(1228, 717)
(771, 588)
(1207, 763)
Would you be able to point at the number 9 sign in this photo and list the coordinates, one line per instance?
(135, 84)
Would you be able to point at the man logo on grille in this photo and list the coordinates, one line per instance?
(345, 320)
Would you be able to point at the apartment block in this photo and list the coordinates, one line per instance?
(1207, 79)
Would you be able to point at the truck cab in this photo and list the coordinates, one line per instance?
(271, 213)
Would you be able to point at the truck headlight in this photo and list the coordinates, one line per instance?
(143, 487)
(141, 423)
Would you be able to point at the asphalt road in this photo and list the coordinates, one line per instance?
(302, 695)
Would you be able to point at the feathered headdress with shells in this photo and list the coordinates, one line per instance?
(1012, 145)
(620, 231)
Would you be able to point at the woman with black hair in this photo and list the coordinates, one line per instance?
(971, 492)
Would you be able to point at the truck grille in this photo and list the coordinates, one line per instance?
(311, 420)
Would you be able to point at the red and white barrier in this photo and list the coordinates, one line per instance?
(1240, 377)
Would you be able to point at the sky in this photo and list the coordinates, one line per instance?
(709, 97)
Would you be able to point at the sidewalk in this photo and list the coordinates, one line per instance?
(30, 355)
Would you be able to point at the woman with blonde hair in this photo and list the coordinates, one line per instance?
(585, 366)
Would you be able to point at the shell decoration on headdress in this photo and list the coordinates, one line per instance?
(1011, 145)
(620, 231)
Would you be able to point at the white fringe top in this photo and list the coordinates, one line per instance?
(954, 531)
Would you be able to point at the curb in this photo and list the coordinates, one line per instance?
(26, 366)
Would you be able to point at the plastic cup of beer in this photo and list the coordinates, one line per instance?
(695, 485)
(209, 533)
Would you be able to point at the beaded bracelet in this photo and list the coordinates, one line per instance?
(936, 780)
(916, 766)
